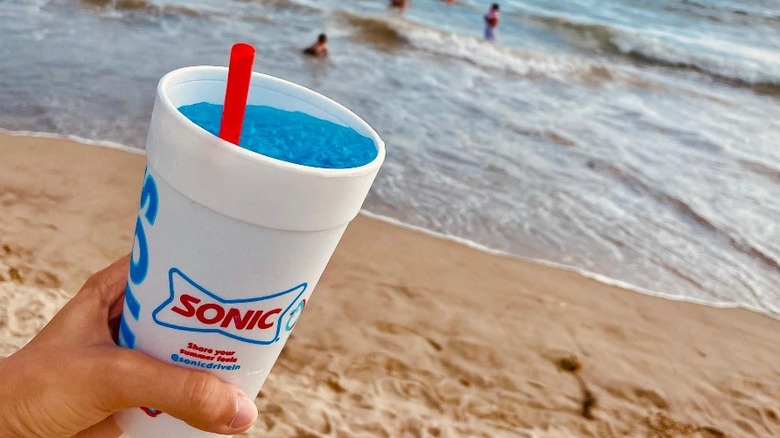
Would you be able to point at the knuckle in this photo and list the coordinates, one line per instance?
(92, 281)
(104, 368)
(118, 360)
(107, 279)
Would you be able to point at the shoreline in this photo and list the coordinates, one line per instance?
(413, 335)
(606, 280)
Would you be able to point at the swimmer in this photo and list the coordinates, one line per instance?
(319, 48)
(399, 4)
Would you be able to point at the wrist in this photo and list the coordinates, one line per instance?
(9, 421)
(13, 400)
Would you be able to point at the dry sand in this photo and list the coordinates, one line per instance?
(413, 336)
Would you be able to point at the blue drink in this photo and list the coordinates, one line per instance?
(294, 137)
(229, 244)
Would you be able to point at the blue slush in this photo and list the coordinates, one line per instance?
(294, 137)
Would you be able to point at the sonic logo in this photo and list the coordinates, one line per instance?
(225, 317)
(259, 320)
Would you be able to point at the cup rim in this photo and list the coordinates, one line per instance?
(218, 73)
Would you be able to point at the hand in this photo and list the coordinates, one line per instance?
(72, 376)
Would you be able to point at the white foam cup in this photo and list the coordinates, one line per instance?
(229, 244)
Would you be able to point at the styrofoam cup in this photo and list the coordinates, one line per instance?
(229, 244)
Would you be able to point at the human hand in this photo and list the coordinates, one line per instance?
(72, 376)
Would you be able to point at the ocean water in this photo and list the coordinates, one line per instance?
(636, 140)
(294, 137)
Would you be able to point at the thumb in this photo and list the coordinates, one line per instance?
(195, 397)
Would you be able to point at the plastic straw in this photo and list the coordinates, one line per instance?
(242, 57)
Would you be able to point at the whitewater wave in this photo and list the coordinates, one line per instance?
(397, 32)
(151, 8)
(377, 31)
(762, 168)
(293, 5)
(740, 65)
(144, 6)
(737, 241)
(748, 71)
(728, 11)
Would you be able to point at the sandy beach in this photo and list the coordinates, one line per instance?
(408, 335)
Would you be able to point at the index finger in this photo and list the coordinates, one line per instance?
(109, 285)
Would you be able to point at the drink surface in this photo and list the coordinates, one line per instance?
(294, 137)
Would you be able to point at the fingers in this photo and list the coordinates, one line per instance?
(133, 379)
(85, 316)
(105, 289)
(196, 397)
(110, 285)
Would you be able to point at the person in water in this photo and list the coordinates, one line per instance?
(399, 4)
(320, 48)
(491, 22)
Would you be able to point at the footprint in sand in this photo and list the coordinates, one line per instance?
(652, 396)
(335, 386)
(398, 329)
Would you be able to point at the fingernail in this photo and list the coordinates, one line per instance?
(246, 412)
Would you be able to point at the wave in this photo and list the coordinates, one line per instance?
(728, 12)
(379, 32)
(634, 182)
(683, 208)
(744, 72)
(761, 168)
(671, 51)
(144, 6)
(292, 5)
(393, 33)
(397, 32)
(743, 66)
(150, 8)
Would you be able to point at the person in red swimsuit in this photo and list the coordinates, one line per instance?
(491, 22)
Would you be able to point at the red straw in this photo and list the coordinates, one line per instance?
(242, 56)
